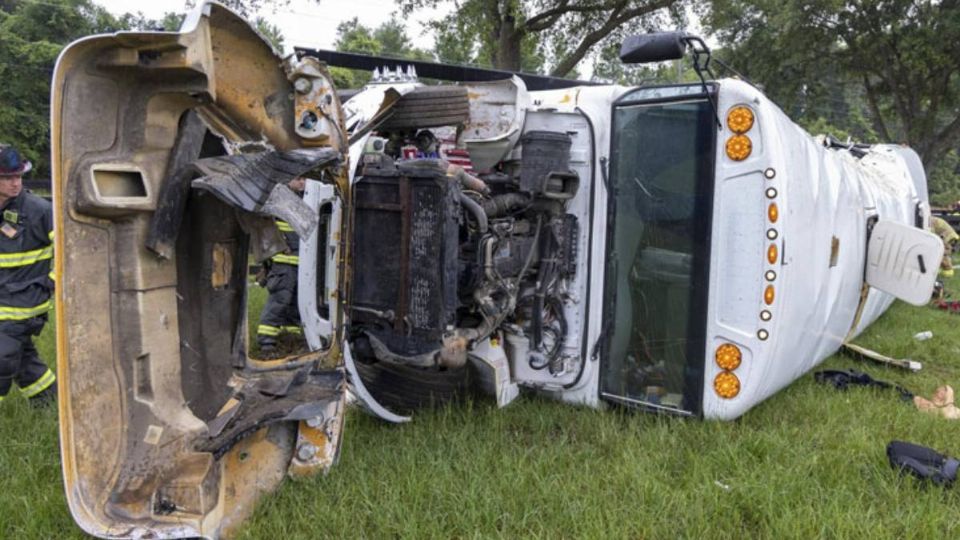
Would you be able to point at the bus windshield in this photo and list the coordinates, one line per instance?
(661, 179)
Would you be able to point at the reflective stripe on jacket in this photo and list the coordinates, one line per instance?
(26, 254)
(291, 256)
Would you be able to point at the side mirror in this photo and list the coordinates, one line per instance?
(657, 47)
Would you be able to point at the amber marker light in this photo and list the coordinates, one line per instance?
(728, 356)
(726, 385)
(773, 212)
(740, 119)
(772, 254)
(768, 295)
(739, 147)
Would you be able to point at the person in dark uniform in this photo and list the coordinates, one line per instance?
(281, 314)
(26, 281)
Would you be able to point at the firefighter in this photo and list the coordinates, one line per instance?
(26, 281)
(280, 314)
(949, 236)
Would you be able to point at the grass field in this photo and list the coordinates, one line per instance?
(809, 462)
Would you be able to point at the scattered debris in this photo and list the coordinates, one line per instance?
(923, 336)
(722, 486)
(863, 353)
(941, 403)
(842, 379)
(939, 292)
(951, 306)
(922, 462)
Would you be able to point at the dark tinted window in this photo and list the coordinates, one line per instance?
(662, 174)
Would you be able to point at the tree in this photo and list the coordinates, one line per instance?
(506, 34)
(388, 39)
(894, 64)
(245, 7)
(138, 21)
(271, 32)
(31, 36)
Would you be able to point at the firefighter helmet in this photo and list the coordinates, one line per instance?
(11, 162)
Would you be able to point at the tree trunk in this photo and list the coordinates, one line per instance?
(508, 44)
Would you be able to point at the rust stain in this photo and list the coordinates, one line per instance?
(222, 265)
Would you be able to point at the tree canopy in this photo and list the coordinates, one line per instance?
(388, 39)
(31, 36)
(883, 70)
(872, 70)
(532, 34)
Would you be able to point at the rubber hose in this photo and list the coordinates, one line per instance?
(503, 204)
(474, 208)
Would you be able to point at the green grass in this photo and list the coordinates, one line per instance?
(808, 462)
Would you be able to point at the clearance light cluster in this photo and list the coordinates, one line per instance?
(740, 121)
(773, 252)
(726, 385)
(728, 357)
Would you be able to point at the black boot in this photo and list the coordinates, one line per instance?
(47, 397)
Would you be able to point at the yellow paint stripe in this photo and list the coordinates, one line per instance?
(40, 385)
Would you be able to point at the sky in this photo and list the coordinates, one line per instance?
(305, 23)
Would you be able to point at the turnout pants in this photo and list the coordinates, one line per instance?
(19, 361)
(280, 313)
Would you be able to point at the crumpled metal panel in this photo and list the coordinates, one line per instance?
(134, 448)
(257, 182)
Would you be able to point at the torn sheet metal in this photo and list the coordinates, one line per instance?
(257, 182)
(299, 395)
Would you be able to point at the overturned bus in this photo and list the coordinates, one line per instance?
(683, 249)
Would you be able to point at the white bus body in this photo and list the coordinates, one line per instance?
(683, 249)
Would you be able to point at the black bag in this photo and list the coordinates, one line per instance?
(923, 463)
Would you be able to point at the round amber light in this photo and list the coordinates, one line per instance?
(768, 295)
(772, 254)
(739, 147)
(728, 356)
(740, 119)
(773, 212)
(726, 385)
